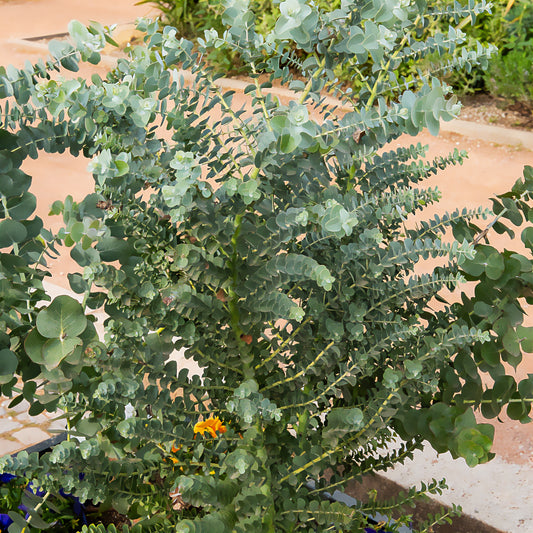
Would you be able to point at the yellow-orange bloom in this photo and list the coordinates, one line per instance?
(211, 425)
(175, 449)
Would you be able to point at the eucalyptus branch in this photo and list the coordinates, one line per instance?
(302, 372)
(284, 344)
(300, 201)
(309, 84)
(484, 233)
(219, 363)
(36, 510)
(261, 99)
(239, 123)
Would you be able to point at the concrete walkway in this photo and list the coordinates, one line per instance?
(499, 493)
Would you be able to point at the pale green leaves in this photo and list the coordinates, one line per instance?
(65, 53)
(116, 97)
(249, 191)
(179, 195)
(55, 95)
(298, 22)
(89, 41)
(384, 11)
(336, 220)
(108, 165)
(293, 129)
(431, 106)
(143, 109)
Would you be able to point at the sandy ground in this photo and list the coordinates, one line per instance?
(491, 168)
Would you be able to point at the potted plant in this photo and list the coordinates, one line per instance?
(276, 248)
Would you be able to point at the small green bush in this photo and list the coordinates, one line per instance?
(510, 75)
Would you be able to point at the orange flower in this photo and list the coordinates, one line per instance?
(175, 449)
(211, 425)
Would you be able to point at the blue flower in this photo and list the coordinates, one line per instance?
(5, 521)
(37, 492)
(6, 478)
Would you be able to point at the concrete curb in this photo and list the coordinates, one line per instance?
(490, 134)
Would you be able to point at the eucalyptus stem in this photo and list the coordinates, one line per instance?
(36, 510)
(301, 372)
(385, 69)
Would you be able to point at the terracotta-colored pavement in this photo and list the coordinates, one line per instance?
(490, 169)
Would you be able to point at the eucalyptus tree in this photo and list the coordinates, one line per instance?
(276, 247)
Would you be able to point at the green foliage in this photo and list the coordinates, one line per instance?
(188, 17)
(276, 248)
(32, 510)
(509, 29)
(511, 75)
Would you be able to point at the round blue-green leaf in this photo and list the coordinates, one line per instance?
(113, 249)
(495, 266)
(77, 283)
(518, 409)
(63, 51)
(88, 427)
(22, 207)
(11, 232)
(76, 231)
(288, 142)
(526, 338)
(34, 345)
(527, 237)
(8, 364)
(20, 183)
(64, 317)
(490, 353)
(476, 266)
(511, 342)
(55, 350)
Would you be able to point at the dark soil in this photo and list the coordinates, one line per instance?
(107, 517)
(485, 109)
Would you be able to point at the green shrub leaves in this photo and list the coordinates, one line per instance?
(277, 249)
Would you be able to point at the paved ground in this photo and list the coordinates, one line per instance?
(500, 492)
(18, 430)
